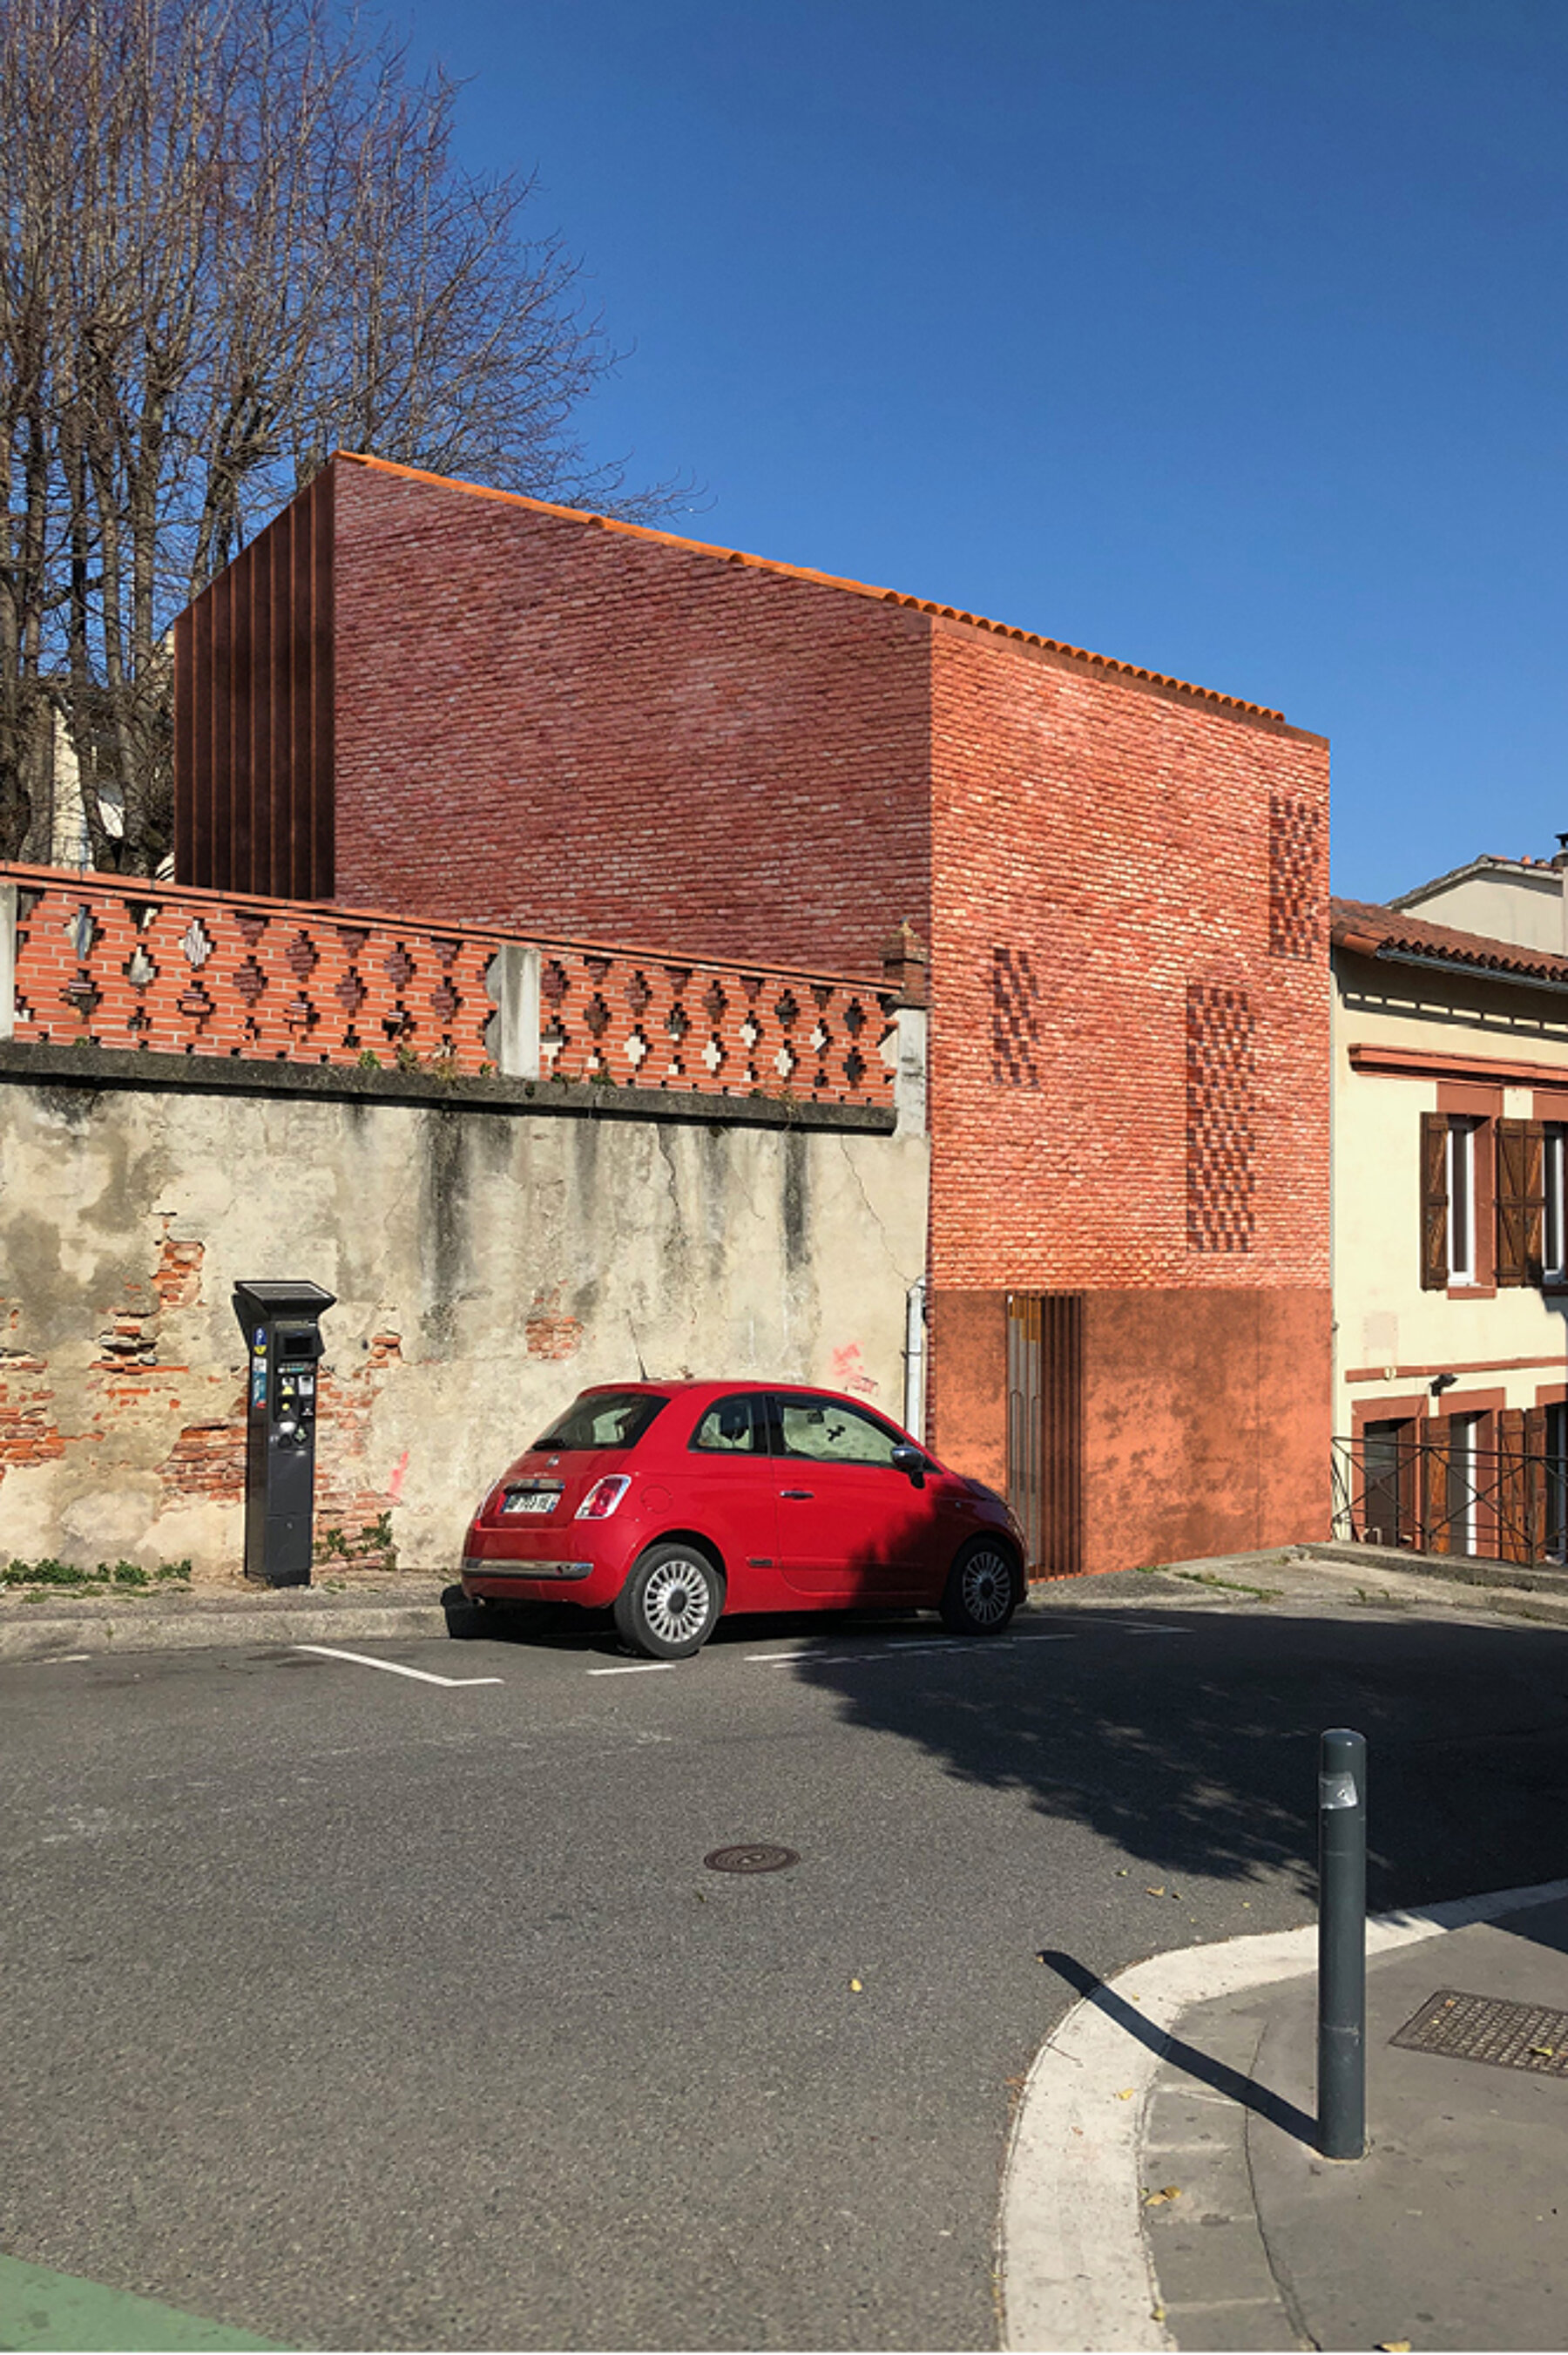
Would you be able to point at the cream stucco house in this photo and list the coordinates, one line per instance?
(1450, 1214)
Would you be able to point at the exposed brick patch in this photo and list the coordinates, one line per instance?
(552, 1336)
(549, 1332)
(176, 1279)
(28, 1434)
(1296, 883)
(208, 1459)
(1221, 1067)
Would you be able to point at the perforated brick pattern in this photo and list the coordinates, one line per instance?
(1222, 1063)
(204, 973)
(1294, 876)
(1015, 1028)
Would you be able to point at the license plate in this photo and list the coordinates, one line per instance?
(530, 1500)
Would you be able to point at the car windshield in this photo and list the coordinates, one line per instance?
(603, 1419)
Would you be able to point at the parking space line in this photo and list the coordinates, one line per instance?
(635, 1669)
(911, 1644)
(394, 1668)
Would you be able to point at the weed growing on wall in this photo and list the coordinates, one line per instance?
(372, 1547)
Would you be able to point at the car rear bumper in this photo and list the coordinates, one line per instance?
(503, 1575)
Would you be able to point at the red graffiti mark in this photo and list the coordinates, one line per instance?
(850, 1372)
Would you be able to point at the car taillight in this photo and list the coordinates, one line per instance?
(603, 1496)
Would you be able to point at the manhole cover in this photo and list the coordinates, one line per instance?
(755, 1856)
(1480, 2027)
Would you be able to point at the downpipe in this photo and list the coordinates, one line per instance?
(914, 1360)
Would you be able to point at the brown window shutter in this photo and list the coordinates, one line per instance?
(1434, 1203)
(1510, 1201)
(1438, 1438)
(1512, 1486)
(1534, 1198)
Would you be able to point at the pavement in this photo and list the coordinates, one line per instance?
(44, 1622)
(1165, 2187)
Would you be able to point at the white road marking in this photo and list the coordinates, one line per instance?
(635, 1669)
(918, 1644)
(61, 1659)
(394, 1668)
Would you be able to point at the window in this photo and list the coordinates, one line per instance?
(603, 1419)
(1494, 1208)
(1554, 1224)
(830, 1432)
(732, 1426)
(1461, 1177)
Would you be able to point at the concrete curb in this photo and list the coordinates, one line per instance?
(1074, 2265)
(125, 1628)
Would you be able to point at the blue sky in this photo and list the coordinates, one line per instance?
(1230, 339)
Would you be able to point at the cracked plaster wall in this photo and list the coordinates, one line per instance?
(488, 1265)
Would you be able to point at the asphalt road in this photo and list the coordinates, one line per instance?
(357, 2010)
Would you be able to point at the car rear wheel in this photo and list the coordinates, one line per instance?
(670, 1604)
(983, 1589)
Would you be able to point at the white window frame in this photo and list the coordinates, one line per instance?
(1461, 1181)
(1554, 1217)
(1465, 1432)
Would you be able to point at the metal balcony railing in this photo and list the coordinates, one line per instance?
(1501, 1503)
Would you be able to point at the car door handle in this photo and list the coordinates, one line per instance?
(796, 1492)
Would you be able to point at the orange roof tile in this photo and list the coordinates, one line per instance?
(1365, 927)
(822, 579)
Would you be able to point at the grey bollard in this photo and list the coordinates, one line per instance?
(1342, 1944)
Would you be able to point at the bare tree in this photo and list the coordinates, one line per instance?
(232, 238)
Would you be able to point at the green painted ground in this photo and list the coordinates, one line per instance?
(40, 2309)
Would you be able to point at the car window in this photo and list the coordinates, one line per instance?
(831, 1433)
(603, 1419)
(732, 1426)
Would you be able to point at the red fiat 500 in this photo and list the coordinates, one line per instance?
(676, 1502)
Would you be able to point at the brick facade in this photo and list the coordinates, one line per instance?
(544, 720)
(607, 734)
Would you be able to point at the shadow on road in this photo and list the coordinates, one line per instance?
(1213, 2073)
(1196, 1749)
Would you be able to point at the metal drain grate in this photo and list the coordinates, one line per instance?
(1480, 2027)
(756, 1856)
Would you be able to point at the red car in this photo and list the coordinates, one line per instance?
(674, 1502)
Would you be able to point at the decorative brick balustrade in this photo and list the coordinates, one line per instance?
(126, 963)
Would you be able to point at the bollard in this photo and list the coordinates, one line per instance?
(1342, 1944)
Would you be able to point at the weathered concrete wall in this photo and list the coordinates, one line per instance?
(491, 1256)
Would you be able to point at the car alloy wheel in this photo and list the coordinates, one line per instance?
(982, 1590)
(670, 1603)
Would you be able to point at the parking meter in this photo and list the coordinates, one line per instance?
(282, 1335)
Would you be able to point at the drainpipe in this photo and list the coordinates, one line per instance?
(914, 1360)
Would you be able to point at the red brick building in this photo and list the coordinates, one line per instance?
(414, 694)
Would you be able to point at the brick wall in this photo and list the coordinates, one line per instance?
(541, 721)
(1152, 1105)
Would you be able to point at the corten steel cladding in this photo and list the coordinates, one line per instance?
(1045, 1426)
(1342, 1944)
(255, 712)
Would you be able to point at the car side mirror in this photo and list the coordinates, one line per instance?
(913, 1460)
